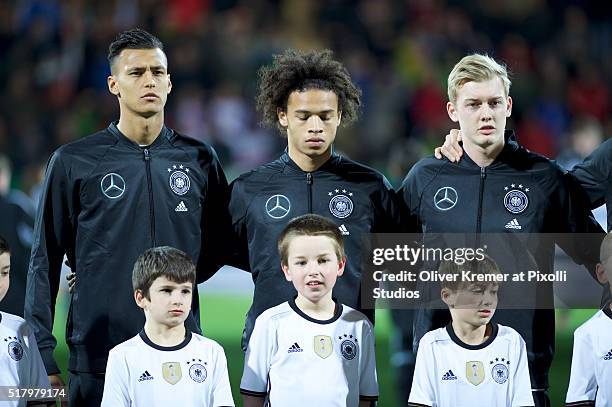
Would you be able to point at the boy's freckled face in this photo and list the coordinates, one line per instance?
(169, 302)
(5, 267)
(473, 304)
(313, 266)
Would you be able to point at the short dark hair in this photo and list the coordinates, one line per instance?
(298, 71)
(484, 266)
(4, 246)
(309, 225)
(163, 261)
(136, 38)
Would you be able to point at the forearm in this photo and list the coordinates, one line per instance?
(252, 401)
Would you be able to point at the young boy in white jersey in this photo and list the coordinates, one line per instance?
(472, 361)
(591, 375)
(166, 364)
(21, 366)
(312, 350)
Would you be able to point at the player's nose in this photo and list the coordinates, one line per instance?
(315, 124)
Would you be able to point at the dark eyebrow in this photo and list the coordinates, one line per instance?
(320, 112)
(144, 68)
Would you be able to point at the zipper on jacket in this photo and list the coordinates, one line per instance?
(147, 159)
(309, 186)
(483, 174)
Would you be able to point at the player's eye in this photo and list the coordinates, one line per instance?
(300, 263)
(323, 260)
(186, 291)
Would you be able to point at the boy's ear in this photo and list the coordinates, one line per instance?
(341, 265)
(600, 272)
(445, 294)
(285, 269)
(139, 298)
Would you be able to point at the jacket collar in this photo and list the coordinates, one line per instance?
(164, 134)
(292, 166)
(510, 147)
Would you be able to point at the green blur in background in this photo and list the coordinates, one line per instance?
(223, 319)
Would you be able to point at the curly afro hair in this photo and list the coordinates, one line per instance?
(298, 71)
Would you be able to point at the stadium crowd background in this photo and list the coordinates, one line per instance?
(53, 62)
(53, 68)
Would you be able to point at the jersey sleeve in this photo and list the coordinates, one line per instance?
(368, 383)
(53, 235)
(422, 392)
(116, 393)
(583, 383)
(222, 392)
(521, 389)
(258, 359)
(32, 373)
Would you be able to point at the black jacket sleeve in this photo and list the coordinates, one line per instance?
(595, 174)
(579, 233)
(215, 221)
(409, 196)
(386, 209)
(239, 257)
(53, 236)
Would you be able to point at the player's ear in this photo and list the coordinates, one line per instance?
(600, 272)
(339, 117)
(282, 117)
(452, 112)
(169, 84)
(285, 269)
(113, 86)
(509, 107)
(341, 265)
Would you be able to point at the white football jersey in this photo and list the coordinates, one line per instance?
(141, 373)
(298, 361)
(20, 362)
(591, 374)
(450, 373)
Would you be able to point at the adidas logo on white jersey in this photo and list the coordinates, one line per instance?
(449, 376)
(145, 376)
(513, 224)
(181, 207)
(343, 230)
(295, 348)
(608, 355)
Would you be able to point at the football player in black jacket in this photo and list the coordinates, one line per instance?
(308, 96)
(106, 199)
(499, 187)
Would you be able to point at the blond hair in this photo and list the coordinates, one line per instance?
(476, 68)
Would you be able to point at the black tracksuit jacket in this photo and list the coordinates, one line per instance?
(595, 177)
(519, 189)
(105, 201)
(359, 199)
